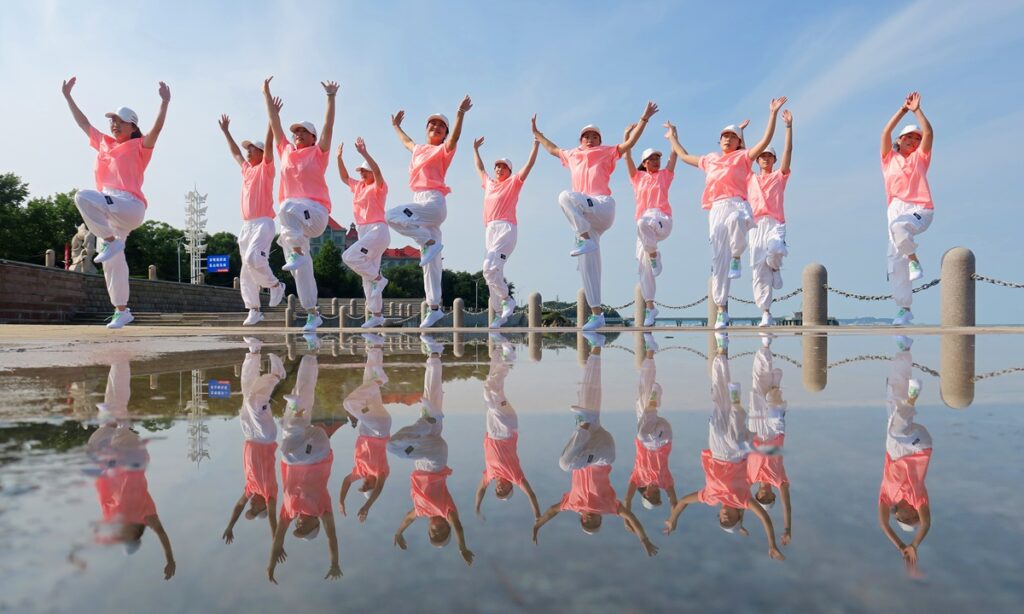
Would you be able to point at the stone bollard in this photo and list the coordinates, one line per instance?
(334, 309)
(289, 341)
(458, 344)
(815, 296)
(712, 307)
(342, 313)
(235, 283)
(490, 313)
(423, 310)
(289, 312)
(534, 343)
(201, 279)
(639, 350)
(352, 307)
(154, 381)
(956, 368)
(956, 292)
(533, 313)
(582, 309)
(639, 307)
(152, 272)
(51, 258)
(582, 349)
(458, 313)
(238, 370)
(815, 367)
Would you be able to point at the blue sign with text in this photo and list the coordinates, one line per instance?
(219, 389)
(218, 263)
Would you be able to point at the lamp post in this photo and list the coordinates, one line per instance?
(177, 252)
(476, 295)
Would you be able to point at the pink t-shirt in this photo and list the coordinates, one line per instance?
(590, 168)
(766, 192)
(257, 190)
(260, 470)
(371, 457)
(302, 174)
(428, 167)
(501, 459)
(430, 496)
(124, 496)
(501, 198)
(906, 177)
(591, 491)
(368, 201)
(726, 176)
(305, 488)
(651, 191)
(651, 466)
(903, 479)
(724, 482)
(120, 166)
(765, 468)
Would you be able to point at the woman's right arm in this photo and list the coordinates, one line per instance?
(545, 142)
(274, 112)
(673, 138)
(396, 123)
(80, 118)
(482, 171)
(890, 126)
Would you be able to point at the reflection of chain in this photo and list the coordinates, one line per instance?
(998, 282)
(616, 346)
(878, 297)
(791, 361)
(978, 378)
(685, 349)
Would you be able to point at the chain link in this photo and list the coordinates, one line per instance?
(787, 296)
(998, 282)
(878, 297)
(609, 307)
(990, 374)
(686, 306)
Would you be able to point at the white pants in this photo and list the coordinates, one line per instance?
(254, 246)
(729, 439)
(256, 415)
(118, 391)
(112, 213)
(905, 221)
(593, 215)
(652, 430)
(588, 446)
(363, 257)
(500, 242)
(728, 222)
(652, 227)
(422, 442)
(300, 413)
(502, 421)
(903, 436)
(764, 418)
(767, 249)
(421, 221)
(301, 220)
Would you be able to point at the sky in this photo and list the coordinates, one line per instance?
(845, 68)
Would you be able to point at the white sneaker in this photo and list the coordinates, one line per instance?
(596, 340)
(777, 279)
(277, 294)
(767, 319)
(649, 316)
(313, 322)
(433, 317)
(377, 287)
(430, 345)
(255, 317)
(498, 322)
(120, 318)
(650, 344)
(916, 272)
(722, 341)
(594, 322)
(766, 339)
(583, 246)
(904, 343)
(913, 388)
(109, 250)
(312, 341)
(903, 317)
(656, 265)
(734, 392)
(734, 268)
(507, 307)
(254, 344)
(277, 367)
(295, 260)
(584, 415)
(373, 322)
(722, 319)
(430, 252)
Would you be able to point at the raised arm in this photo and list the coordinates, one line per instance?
(545, 142)
(460, 537)
(628, 153)
(364, 511)
(406, 521)
(769, 530)
(787, 153)
(165, 542)
(229, 533)
(327, 132)
(274, 106)
(531, 496)
(149, 140)
(630, 493)
(543, 520)
(525, 171)
(632, 136)
(638, 530)
(272, 515)
(396, 123)
(236, 153)
(346, 484)
(374, 167)
(277, 554)
(677, 148)
(334, 572)
(481, 170)
(769, 130)
(914, 106)
(481, 490)
(787, 515)
(891, 125)
(926, 524)
(677, 510)
(80, 118)
(268, 145)
(456, 131)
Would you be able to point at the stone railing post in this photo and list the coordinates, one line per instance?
(289, 312)
(582, 309)
(533, 311)
(458, 313)
(236, 283)
(956, 292)
(815, 298)
(51, 258)
(152, 272)
(639, 307)
(712, 307)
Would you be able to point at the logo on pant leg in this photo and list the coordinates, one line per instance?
(109, 200)
(306, 214)
(364, 250)
(407, 211)
(502, 256)
(590, 203)
(264, 254)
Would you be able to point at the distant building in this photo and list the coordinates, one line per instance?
(396, 256)
(336, 234)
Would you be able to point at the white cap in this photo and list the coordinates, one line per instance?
(312, 534)
(257, 144)
(908, 129)
(589, 128)
(733, 128)
(132, 546)
(310, 128)
(363, 166)
(440, 116)
(647, 504)
(504, 161)
(650, 151)
(739, 525)
(770, 150)
(125, 114)
(768, 506)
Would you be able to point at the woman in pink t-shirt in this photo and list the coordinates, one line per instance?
(653, 443)
(369, 193)
(766, 467)
(421, 219)
(727, 175)
(117, 206)
(365, 408)
(302, 192)
(653, 217)
(905, 165)
(257, 220)
(767, 238)
(501, 197)
(589, 206)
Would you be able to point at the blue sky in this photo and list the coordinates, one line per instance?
(845, 69)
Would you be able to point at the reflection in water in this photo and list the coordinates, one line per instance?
(766, 467)
(725, 461)
(121, 460)
(423, 444)
(908, 450)
(653, 440)
(589, 455)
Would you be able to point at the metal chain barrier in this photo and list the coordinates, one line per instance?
(609, 307)
(878, 297)
(787, 296)
(991, 374)
(997, 282)
(686, 306)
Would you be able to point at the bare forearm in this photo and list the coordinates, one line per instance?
(548, 144)
(787, 154)
(525, 171)
(268, 145)
(80, 118)
(402, 136)
(327, 133)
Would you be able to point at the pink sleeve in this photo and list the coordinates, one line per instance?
(95, 138)
(563, 155)
(702, 162)
(483, 182)
(352, 183)
(282, 146)
(888, 155)
(926, 157)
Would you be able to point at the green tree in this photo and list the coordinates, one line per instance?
(404, 281)
(156, 243)
(224, 243)
(30, 227)
(327, 269)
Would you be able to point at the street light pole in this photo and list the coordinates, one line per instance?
(476, 295)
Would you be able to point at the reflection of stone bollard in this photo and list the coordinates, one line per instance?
(458, 312)
(533, 313)
(423, 310)
(236, 283)
(335, 343)
(51, 258)
(582, 349)
(534, 343)
(956, 369)
(712, 307)
(956, 292)
(639, 307)
(352, 307)
(815, 369)
(639, 349)
(342, 312)
(582, 309)
(154, 381)
(815, 296)
(490, 313)
(458, 345)
(289, 312)
(334, 311)
(152, 274)
(238, 370)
